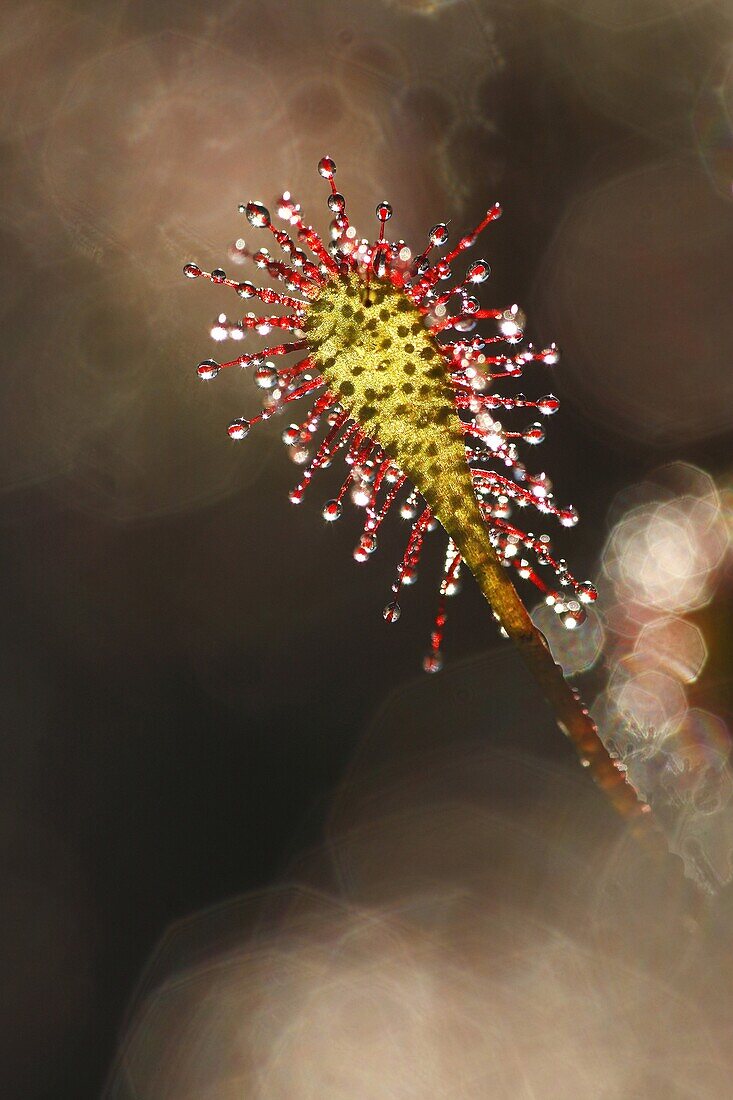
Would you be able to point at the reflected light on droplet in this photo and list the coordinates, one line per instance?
(577, 650)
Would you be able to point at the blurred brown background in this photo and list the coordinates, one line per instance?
(188, 662)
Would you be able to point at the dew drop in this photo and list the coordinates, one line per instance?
(587, 592)
(512, 322)
(478, 272)
(208, 369)
(239, 428)
(192, 271)
(327, 167)
(368, 543)
(548, 404)
(534, 434)
(360, 495)
(220, 329)
(573, 615)
(266, 376)
(331, 511)
(286, 207)
(419, 267)
(433, 662)
(392, 612)
(257, 215)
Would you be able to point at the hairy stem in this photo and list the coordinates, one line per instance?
(570, 713)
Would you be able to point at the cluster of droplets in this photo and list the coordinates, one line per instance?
(373, 482)
(491, 444)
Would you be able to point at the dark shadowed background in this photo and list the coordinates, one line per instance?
(189, 664)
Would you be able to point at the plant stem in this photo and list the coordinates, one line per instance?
(570, 713)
